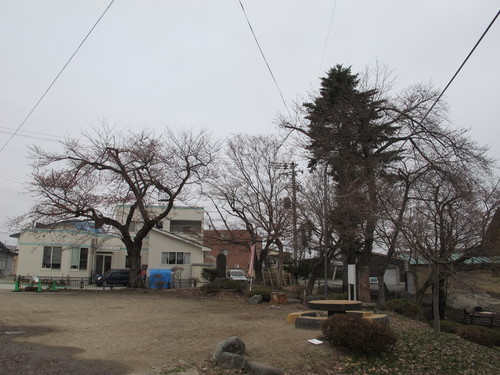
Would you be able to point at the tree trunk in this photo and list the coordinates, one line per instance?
(421, 291)
(258, 265)
(443, 294)
(392, 246)
(381, 289)
(279, 265)
(134, 258)
(314, 270)
(366, 253)
(435, 300)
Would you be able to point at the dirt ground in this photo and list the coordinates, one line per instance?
(145, 333)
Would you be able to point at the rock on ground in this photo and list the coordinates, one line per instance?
(254, 300)
(232, 344)
(230, 361)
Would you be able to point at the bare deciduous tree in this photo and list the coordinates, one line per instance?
(250, 190)
(101, 170)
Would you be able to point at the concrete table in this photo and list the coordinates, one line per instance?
(334, 306)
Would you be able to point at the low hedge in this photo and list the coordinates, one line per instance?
(357, 335)
(405, 307)
(480, 335)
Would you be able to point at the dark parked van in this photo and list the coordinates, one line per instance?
(113, 277)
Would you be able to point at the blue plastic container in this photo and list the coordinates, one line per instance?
(160, 279)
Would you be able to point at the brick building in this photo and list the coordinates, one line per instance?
(234, 244)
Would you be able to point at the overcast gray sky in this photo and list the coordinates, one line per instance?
(195, 64)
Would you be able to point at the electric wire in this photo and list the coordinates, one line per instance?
(264, 57)
(420, 123)
(460, 68)
(327, 38)
(55, 79)
(8, 130)
(28, 136)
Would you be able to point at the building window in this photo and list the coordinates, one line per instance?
(79, 258)
(185, 226)
(170, 257)
(52, 257)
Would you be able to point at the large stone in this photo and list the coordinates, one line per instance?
(254, 300)
(255, 368)
(232, 344)
(230, 361)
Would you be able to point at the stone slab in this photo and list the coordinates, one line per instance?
(379, 318)
(310, 322)
(360, 313)
(290, 318)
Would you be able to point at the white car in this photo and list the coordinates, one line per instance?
(238, 275)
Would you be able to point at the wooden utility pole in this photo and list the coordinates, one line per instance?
(294, 213)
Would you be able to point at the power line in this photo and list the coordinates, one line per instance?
(449, 83)
(264, 57)
(461, 66)
(10, 130)
(327, 37)
(55, 79)
(27, 136)
(400, 148)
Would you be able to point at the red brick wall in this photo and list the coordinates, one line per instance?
(238, 253)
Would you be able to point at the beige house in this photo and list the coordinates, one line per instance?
(76, 249)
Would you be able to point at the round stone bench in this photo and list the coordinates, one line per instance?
(335, 306)
(378, 318)
(360, 313)
(310, 322)
(314, 320)
(290, 318)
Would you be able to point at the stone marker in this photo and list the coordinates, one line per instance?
(221, 266)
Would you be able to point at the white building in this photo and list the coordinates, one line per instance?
(77, 249)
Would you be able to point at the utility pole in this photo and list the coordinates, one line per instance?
(294, 214)
(325, 226)
(293, 166)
